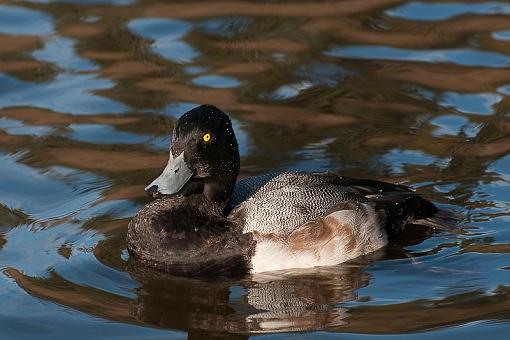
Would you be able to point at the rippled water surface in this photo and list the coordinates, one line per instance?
(411, 92)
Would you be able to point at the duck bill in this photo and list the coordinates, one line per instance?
(175, 175)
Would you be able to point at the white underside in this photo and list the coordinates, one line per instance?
(368, 233)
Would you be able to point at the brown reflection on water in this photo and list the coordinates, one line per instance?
(280, 45)
(193, 10)
(431, 35)
(17, 43)
(82, 30)
(35, 116)
(413, 316)
(7, 140)
(130, 69)
(60, 291)
(271, 304)
(105, 160)
(447, 78)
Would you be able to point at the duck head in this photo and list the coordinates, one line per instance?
(204, 157)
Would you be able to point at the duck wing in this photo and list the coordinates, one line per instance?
(348, 230)
(280, 203)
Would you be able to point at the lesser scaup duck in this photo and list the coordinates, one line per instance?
(204, 223)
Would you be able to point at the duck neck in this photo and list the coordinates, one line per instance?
(219, 191)
(220, 184)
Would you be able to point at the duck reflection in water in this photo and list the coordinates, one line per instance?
(301, 300)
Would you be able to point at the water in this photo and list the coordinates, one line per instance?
(410, 92)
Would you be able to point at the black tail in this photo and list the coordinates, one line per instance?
(404, 209)
(442, 220)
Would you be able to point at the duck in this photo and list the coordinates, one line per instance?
(205, 222)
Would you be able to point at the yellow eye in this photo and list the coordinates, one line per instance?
(206, 137)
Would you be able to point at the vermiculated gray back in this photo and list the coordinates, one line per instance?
(279, 203)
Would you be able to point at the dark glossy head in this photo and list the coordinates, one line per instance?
(204, 157)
